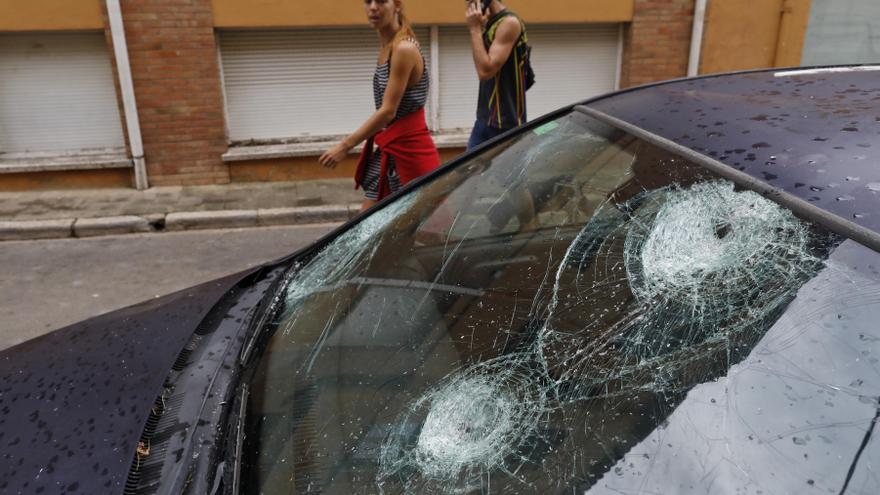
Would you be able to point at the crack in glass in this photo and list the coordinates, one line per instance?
(696, 272)
(482, 419)
(571, 310)
(341, 257)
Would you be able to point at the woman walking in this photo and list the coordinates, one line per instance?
(400, 89)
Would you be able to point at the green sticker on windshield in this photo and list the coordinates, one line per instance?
(544, 129)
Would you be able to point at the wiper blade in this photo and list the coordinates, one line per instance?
(258, 327)
(239, 439)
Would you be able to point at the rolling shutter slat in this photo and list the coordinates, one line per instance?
(299, 82)
(57, 94)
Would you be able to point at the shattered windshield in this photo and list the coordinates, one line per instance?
(572, 311)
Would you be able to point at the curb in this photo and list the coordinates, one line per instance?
(36, 229)
(174, 222)
(92, 227)
(224, 219)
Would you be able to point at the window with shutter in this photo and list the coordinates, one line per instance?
(299, 83)
(57, 95)
(314, 83)
(571, 63)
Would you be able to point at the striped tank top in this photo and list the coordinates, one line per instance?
(413, 99)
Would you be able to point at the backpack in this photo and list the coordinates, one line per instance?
(528, 71)
(527, 68)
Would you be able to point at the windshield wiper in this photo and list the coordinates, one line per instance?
(239, 439)
(267, 308)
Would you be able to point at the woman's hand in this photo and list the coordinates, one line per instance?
(334, 155)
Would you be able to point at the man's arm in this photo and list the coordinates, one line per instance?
(489, 62)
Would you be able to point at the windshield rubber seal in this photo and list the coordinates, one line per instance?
(798, 206)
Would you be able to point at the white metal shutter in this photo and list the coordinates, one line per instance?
(842, 32)
(458, 80)
(57, 94)
(571, 63)
(297, 83)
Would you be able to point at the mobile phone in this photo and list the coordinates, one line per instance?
(484, 4)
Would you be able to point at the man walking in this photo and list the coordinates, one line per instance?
(498, 43)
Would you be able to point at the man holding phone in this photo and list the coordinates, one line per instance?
(500, 51)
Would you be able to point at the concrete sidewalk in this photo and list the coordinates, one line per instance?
(95, 212)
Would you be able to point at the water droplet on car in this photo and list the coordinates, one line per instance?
(845, 197)
(873, 186)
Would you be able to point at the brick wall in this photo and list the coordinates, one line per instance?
(177, 86)
(657, 42)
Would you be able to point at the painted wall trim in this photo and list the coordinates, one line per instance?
(301, 13)
(50, 15)
(69, 162)
(745, 34)
(299, 150)
(123, 67)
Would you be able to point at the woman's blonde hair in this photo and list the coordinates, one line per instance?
(406, 30)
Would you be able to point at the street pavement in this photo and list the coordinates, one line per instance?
(48, 284)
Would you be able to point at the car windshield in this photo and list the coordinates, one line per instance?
(571, 310)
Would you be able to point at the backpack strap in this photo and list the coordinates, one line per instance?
(490, 33)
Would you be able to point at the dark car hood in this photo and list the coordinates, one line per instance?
(73, 403)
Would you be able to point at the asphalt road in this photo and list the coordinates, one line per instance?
(46, 285)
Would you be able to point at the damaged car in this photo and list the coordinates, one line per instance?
(668, 289)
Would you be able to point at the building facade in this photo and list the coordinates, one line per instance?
(138, 93)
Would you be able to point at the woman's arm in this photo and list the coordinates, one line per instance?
(404, 61)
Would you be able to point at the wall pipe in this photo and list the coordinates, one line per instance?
(697, 38)
(129, 104)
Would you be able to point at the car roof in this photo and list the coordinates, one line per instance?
(812, 133)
